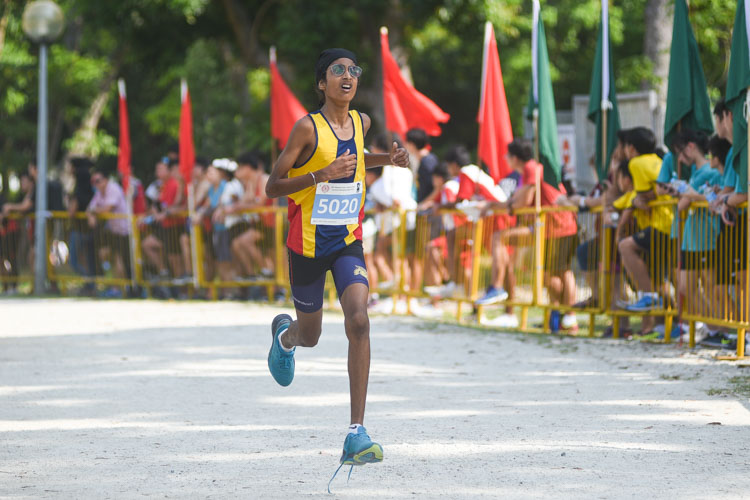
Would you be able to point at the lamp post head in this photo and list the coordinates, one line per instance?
(42, 21)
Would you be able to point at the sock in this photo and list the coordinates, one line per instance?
(653, 295)
(354, 428)
(283, 347)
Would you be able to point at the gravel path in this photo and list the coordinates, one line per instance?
(130, 399)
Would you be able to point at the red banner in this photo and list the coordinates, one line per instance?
(123, 147)
(285, 108)
(405, 106)
(187, 148)
(495, 132)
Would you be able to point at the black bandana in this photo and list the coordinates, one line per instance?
(327, 57)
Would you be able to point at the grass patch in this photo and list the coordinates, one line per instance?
(738, 386)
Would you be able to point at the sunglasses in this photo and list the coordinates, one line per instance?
(339, 69)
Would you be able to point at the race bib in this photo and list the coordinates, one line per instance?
(337, 204)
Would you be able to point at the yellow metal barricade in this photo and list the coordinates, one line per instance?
(88, 250)
(661, 260)
(243, 255)
(713, 274)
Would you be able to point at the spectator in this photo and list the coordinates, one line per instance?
(560, 230)
(476, 185)
(393, 190)
(153, 242)
(112, 230)
(54, 190)
(222, 222)
(654, 240)
(81, 236)
(250, 246)
(700, 229)
(418, 146)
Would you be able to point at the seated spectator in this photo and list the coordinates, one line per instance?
(254, 237)
(223, 222)
(700, 228)
(155, 235)
(645, 166)
(113, 230)
(560, 236)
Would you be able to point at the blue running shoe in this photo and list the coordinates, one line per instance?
(359, 449)
(280, 362)
(492, 296)
(645, 303)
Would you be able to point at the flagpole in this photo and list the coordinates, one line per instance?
(605, 145)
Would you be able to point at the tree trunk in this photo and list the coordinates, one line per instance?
(656, 44)
(86, 133)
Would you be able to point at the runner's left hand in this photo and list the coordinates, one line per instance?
(399, 156)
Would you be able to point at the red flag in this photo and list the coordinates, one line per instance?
(285, 108)
(187, 148)
(123, 148)
(495, 132)
(405, 106)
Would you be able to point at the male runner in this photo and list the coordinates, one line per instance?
(322, 171)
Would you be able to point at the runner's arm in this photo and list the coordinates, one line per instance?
(398, 156)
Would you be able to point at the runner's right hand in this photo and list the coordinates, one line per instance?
(340, 168)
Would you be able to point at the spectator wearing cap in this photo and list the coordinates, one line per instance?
(222, 221)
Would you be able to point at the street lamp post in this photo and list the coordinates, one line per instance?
(42, 22)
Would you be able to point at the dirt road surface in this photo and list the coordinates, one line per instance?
(132, 399)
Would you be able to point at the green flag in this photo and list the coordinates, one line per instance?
(687, 95)
(542, 100)
(602, 97)
(737, 84)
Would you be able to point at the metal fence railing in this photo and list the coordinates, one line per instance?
(696, 265)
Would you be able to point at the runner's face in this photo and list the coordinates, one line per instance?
(342, 87)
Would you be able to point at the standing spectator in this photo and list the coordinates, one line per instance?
(81, 237)
(418, 146)
(112, 232)
(392, 190)
(560, 230)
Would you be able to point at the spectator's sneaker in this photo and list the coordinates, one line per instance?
(492, 296)
(503, 321)
(280, 362)
(359, 449)
(569, 322)
(441, 291)
(714, 339)
(675, 334)
(646, 303)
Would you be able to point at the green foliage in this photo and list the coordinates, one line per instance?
(154, 43)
